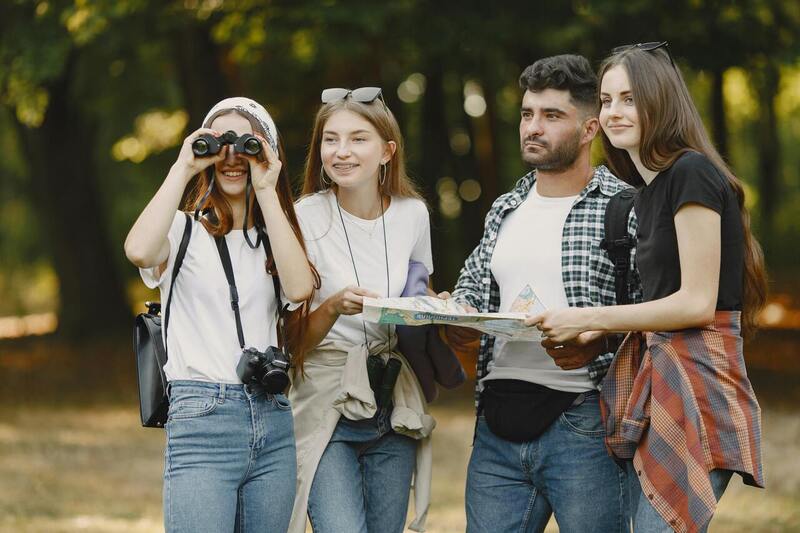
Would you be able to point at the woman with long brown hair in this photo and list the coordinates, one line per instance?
(363, 222)
(230, 459)
(678, 406)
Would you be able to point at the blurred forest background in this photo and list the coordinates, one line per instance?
(96, 96)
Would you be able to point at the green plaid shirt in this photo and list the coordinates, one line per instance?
(587, 272)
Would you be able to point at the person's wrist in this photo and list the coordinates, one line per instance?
(267, 195)
(332, 309)
(180, 171)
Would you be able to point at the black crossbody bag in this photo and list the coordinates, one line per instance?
(151, 351)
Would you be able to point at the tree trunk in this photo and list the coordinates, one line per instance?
(205, 78)
(488, 157)
(433, 164)
(768, 147)
(718, 118)
(64, 187)
(434, 136)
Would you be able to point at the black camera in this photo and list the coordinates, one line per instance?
(267, 369)
(207, 144)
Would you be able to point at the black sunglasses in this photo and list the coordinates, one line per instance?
(647, 47)
(365, 95)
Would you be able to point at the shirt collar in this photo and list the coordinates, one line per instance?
(602, 179)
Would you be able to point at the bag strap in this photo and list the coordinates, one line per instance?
(276, 284)
(225, 257)
(187, 234)
(617, 243)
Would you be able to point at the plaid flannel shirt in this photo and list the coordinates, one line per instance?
(587, 272)
(680, 405)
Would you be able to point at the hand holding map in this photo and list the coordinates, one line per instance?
(421, 310)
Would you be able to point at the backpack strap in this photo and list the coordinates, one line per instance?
(187, 234)
(617, 243)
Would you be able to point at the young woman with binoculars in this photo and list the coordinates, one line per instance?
(230, 459)
(359, 430)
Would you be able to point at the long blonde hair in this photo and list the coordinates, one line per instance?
(397, 182)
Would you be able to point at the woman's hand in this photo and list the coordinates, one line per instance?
(189, 164)
(350, 300)
(562, 325)
(264, 174)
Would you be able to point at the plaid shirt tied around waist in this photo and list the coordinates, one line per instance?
(587, 272)
(681, 408)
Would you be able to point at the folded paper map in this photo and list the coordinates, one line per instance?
(421, 310)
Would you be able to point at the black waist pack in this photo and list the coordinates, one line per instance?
(519, 411)
(151, 349)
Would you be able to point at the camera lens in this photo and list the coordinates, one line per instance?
(275, 381)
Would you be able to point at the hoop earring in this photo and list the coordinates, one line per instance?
(325, 184)
(384, 171)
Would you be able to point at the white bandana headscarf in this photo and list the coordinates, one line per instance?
(252, 108)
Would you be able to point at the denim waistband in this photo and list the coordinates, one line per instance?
(234, 391)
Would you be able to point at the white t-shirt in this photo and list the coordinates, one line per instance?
(528, 252)
(407, 236)
(203, 344)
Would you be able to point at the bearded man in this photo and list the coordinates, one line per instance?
(538, 446)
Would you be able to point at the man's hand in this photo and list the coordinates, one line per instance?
(577, 352)
(460, 338)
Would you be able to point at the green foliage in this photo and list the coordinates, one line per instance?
(120, 60)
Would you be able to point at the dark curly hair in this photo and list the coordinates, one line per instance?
(565, 72)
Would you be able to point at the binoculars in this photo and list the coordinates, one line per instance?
(207, 144)
(382, 378)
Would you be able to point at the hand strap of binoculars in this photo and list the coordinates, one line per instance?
(225, 257)
(198, 208)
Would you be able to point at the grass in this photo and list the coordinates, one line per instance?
(73, 456)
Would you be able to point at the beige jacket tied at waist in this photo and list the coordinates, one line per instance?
(335, 384)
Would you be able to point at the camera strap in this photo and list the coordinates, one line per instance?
(225, 257)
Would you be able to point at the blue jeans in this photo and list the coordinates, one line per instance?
(230, 462)
(363, 479)
(645, 517)
(566, 471)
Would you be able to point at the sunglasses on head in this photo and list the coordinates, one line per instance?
(647, 47)
(365, 95)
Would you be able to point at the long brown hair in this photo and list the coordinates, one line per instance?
(670, 127)
(222, 222)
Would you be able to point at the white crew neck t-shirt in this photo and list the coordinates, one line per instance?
(528, 252)
(203, 344)
(407, 236)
